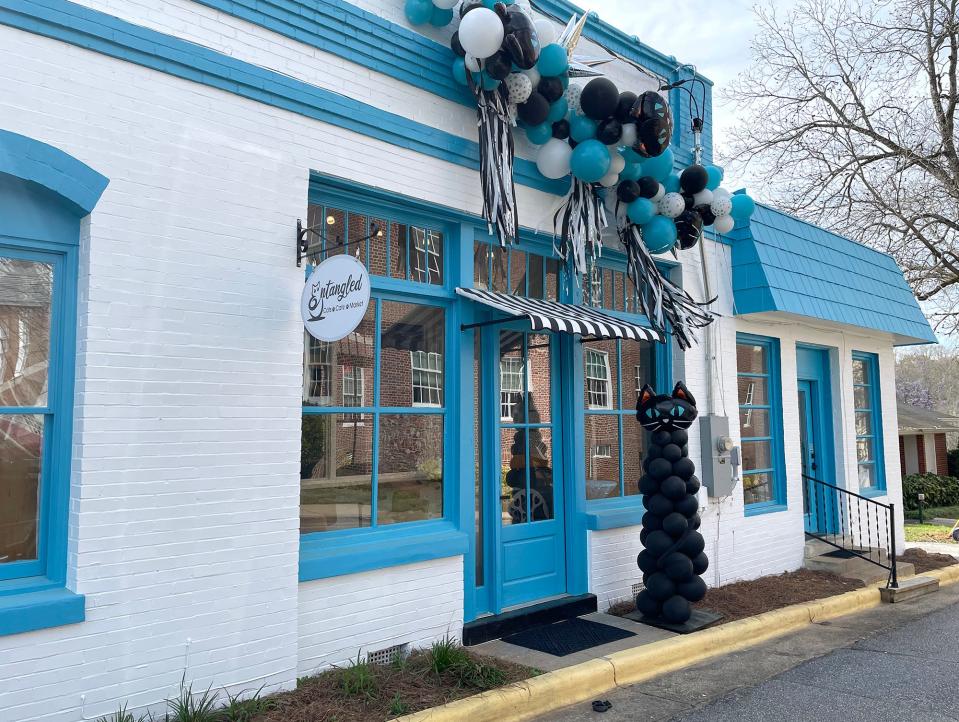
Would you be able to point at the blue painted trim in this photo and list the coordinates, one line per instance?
(875, 398)
(28, 612)
(378, 549)
(77, 183)
(108, 35)
(764, 508)
(614, 517)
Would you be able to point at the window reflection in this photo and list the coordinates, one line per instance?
(340, 373)
(25, 298)
(410, 471)
(21, 451)
(412, 350)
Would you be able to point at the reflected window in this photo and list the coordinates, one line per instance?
(597, 379)
(427, 370)
(511, 370)
(427, 255)
(319, 368)
(865, 377)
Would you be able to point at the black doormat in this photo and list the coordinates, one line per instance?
(568, 636)
(840, 554)
(700, 619)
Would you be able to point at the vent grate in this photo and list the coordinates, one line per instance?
(388, 655)
(637, 588)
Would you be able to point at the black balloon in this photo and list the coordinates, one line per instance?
(468, 5)
(609, 131)
(561, 129)
(627, 192)
(535, 110)
(660, 468)
(689, 227)
(648, 186)
(673, 488)
(520, 40)
(551, 88)
(706, 213)
(660, 505)
(652, 137)
(498, 65)
(694, 179)
(689, 200)
(624, 106)
(457, 47)
(599, 99)
(650, 105)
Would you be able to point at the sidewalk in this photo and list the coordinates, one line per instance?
(935, 547)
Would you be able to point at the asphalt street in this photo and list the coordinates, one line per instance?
(897, 662)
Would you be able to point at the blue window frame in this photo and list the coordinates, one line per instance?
(44, 194)
(866, 400)
(760, 423)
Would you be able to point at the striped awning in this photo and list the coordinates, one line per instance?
(563, 317)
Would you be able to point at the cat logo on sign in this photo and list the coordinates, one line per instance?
(335, 298)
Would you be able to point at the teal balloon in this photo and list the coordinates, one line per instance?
(631, 171)
(558, 110)
(659, 234)
(419, 12)
(582, 128)
(743, 206)
(441, 17)
(564, 79)
(715, 177)
(489, 3)
(459, 71)
(483, 78)
(671, 184)
(659, 167)
(590, 161)
(553, 61)
(631, 155)
(539, 134)
(641, 211)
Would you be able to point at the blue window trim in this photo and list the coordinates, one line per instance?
(875, 399)
(61, 190)
(776, 448)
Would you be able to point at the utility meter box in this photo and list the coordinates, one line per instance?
(717, 474)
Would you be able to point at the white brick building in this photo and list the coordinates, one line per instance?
(153, 488)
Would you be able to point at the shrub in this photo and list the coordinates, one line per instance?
(939, 490)
(952, 460)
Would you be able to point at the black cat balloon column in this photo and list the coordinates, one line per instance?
(673, 557)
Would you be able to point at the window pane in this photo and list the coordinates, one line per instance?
(753, 422)
(517, 272)
(864, 450)
(426, 255)
(336, 461)
(412, 355)
(398, 250)
(21, 452)
(753, 390)
(609, 295)
(378, 243)
(536, 280)
(499, 280)
(619, 280)
(602, 456)
(340, 373)
(638, 370)
(25, 293)
(756, 455)
(552, 279)
(538, 380)
(335, 224)
(410, 471)
(867, 475)
(757, 488)
(863, 423)
(860, 371)
(357, 231)
(599, 372)
(481, 259)
(540, 474)
(751, 359)
(634, 447)
(861, 397)
(512, 476)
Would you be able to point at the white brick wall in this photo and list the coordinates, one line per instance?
(612, 564)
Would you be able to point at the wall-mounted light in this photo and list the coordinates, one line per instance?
(330, 220)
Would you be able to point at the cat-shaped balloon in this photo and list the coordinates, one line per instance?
(666, 412)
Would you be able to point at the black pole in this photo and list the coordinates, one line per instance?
(920, 510)
(892, 546)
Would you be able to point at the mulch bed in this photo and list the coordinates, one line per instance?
(925, 561)
(391, 690)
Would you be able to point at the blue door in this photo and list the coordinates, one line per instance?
(817, 452)
(528, 518)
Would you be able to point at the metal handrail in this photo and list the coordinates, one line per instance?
(834, 507)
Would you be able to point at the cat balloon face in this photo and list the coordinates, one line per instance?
(666, 412)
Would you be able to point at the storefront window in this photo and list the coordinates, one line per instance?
(609, 289)
(865, 377)
(614, 441)
(511, 270)
(373, 421)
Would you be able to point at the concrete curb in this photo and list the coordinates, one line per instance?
(589, 680)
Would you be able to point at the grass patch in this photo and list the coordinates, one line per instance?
(928, 533)
(930, 512)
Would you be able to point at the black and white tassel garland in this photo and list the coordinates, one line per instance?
(496, 161)
(666, 305)
(583, 220)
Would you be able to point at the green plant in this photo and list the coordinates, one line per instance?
(939, 490)
(122, 715)
(444, 654)
(190, 708)
(245, 710)
(358, 679)
(478, 675)
(398, 706)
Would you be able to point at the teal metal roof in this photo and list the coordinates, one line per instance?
(781, 263)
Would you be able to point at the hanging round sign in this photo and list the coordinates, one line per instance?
(335, 298)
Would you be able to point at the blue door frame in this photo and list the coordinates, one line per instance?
(817, 447)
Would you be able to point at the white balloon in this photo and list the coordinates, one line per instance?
(533, 75)
(573, 95)
(721, 206)
(616, 163)
(481, 32)
(724, 224)
(671, 205)
(721, 193)
(471, 63)
(609, 180)
(519, 88)
(553, 158)
(628, 138)
(545, 31)
(704, 197)
(445, 4)
(659, 194)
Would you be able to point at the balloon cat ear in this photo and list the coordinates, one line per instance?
(645, 394)
(681, 392)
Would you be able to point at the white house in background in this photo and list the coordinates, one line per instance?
(922, 440)
(192, 489)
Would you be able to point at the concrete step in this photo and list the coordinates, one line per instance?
(910, 589)
(816, 547)
(855, 568)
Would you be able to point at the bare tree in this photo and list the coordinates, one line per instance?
(850, 110)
